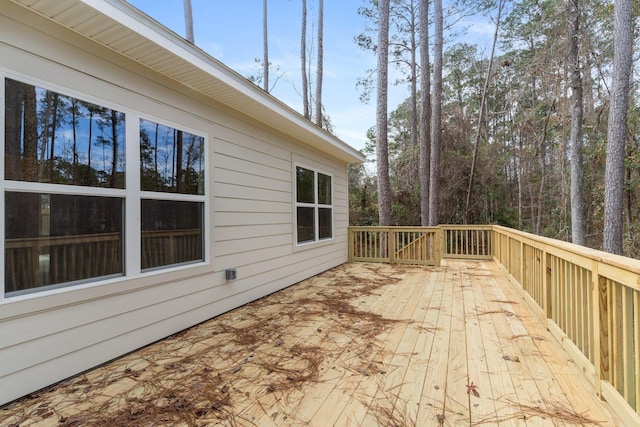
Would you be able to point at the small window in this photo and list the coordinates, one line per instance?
(172, 209)
(314, 206)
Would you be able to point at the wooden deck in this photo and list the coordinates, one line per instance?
(360, 345)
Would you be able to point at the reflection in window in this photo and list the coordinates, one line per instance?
(171, 160)
(304, 185)
(306, 228)
(53, 138)
(52, 239)
(314, 206)
(325, 230)
(324, 189)
(171, 232)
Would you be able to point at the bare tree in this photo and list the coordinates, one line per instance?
(436, 115)
(188, 21)
(617, 127)
(382, 147)
(265, 42)
(483, 101)
(319, 65)
(303, 62)
(425, 119)
(575, 138)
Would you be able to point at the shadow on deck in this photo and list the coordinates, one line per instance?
(360, 345)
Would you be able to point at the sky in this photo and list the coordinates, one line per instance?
(231, 31)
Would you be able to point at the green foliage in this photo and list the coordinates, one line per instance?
(523, 174)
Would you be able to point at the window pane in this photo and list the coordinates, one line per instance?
(171, 232)
(324, 221)
(171, 160)
(304, 185)
(58, 139)
(52, 239)
(324, 189)
(306, 227)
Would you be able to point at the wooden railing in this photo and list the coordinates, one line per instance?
(170, 247)
(396, 245)
(589, 299)
(467, 242)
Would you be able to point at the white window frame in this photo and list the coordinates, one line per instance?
(315, 205)
(131, 194)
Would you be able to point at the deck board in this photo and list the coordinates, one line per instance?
(359, 345)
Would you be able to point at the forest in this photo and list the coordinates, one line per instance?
(522, 127)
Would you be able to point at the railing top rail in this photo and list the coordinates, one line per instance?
(393, 227)
(466, 227)
(630, 264)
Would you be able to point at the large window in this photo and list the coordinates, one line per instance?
(314, 206)
(66, 191)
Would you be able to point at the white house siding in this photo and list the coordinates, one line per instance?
(48, 336)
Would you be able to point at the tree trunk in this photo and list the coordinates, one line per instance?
(436, 115)
(617, 127)
(303, 62)
(179, 170)
(265, 43)
(575, 138)
(483, 100)
(30, 153)
(425, 120)
(382, 148)
(89, 144)
(54, 127)
(414, 78)
(114, 135)
(319, 65)
(188, 21)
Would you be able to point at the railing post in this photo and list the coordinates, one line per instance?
(600, 327)
(350, 233)
(438, 246)
(391, 235)
(546, 284)
(521, 272)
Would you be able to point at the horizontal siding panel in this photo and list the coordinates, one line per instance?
(250, 154)
(259, 141)
(246, 205)
(296, 262)
(250, 257)
(233, 233)
(221, 174)
(69, 340)
(256, 169)
(224, 190)
(231, 247)
(45, 322)
(251, 218)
